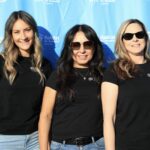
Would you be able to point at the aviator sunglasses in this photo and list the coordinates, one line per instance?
(77, 45)
(129, 36)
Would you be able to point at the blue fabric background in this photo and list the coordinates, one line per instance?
(56, 17)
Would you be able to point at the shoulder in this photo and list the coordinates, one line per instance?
(110, 75)
(51, 82)
(46, 67)
(53, 76)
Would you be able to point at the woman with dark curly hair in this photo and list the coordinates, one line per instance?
(71, 108)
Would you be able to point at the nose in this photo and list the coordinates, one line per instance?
(82, 49)
(22, 35)
(134, 38)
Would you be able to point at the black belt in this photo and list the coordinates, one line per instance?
(79, 141)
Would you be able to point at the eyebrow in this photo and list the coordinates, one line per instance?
(23, 29)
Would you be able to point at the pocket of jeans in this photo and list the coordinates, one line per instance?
(100, 143)
(55, 145)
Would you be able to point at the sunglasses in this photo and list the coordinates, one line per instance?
(86, 45)
(129, 36)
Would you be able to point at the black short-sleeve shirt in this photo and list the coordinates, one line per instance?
(20, 103)
(132, 126)
(81, 117)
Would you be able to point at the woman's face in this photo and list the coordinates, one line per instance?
(23, 37)
(134, 42)
(82, 50)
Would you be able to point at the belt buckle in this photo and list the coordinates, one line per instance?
(78, 142)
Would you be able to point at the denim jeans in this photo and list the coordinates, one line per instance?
(19, 142)
(96, 145)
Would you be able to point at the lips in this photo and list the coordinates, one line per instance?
(82, 57)
(136, 45)
(25, 42)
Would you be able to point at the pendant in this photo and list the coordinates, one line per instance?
(90, 79)
(32, 68)
(84, 78)
(148, 74)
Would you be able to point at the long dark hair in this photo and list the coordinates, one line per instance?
(65, 70)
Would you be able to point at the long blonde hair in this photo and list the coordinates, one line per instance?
(11, 52)
(124, 66)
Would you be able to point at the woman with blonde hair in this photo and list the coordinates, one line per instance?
(125, 91)
(23, 72)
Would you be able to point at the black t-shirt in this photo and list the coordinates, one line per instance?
(20, 102)
(80, 117)
(132, 126)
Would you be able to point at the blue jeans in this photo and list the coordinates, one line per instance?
(19, 142)
(96, 145)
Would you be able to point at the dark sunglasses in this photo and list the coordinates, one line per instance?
(86, 45)
(129, 36)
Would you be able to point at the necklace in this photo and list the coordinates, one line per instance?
(83, 75)
(86, 76)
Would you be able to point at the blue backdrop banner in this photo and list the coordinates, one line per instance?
(56, 17)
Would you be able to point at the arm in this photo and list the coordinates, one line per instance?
(45, 117)
(109, 101)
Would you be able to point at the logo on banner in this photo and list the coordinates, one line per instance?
(107, 38)
(48, 1)
(102, 1)
(48, 39)
(56, 39)
(3, 1)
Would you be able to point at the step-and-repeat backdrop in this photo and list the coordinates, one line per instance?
(56, 17)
